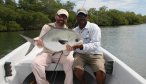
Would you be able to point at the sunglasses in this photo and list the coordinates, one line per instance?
(81, 15)
(62, 16)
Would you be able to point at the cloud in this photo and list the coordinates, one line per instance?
(116, 4)
(123, 5)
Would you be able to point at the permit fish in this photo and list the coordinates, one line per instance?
(56, 39)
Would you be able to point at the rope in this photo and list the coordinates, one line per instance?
(55, 67)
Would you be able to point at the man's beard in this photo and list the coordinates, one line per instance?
(61, 21)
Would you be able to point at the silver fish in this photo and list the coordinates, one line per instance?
(56, 39)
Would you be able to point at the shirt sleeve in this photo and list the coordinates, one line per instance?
(44, 30)
(95, 38)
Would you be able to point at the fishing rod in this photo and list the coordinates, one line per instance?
(83, 4)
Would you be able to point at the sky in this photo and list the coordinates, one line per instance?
(137, 6)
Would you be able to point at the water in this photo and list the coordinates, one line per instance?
(11, 40)
(128, 43)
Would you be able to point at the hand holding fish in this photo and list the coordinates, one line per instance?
(69, 48)
(39, 42)
(77, 46)
(56, 40)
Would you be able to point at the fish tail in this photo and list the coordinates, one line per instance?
(29, 40)
(30, 49)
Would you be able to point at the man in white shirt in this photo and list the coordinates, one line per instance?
(90, 51)
(46, 57)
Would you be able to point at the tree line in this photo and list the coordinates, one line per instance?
(113, 17)
(33, 14)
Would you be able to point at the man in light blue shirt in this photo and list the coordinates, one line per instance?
(90, 51)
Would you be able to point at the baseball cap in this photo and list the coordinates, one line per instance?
(82, 10)
(63, 11)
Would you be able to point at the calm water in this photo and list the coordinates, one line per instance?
(11, 40)
(128, 43)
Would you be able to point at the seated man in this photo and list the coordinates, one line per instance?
(46, 57)
(90, 51)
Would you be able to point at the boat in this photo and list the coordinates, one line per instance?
(15, 68)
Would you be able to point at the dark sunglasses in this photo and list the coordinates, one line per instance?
(62, 16)
(81, 15)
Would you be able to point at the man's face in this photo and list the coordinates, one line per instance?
(82, 18)
(61, 19)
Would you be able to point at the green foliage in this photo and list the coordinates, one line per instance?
(144, 19)
(2, 26)
(35, 20)
(32, 5)
(114, 17)
(10, 4)
(103, 9)
(38, 20)
(93, 15)
(104, 19)
(133, 18)
(1, 2)
(117, 17)
(8, 14)
(71, 20)
(69, 5)
(33, 14)
(13, 26)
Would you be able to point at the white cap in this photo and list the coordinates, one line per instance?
(82, 10)
(63, 11)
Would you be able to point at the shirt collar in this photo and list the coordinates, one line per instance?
(86, 27)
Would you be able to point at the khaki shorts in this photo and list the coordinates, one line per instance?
(95, 61)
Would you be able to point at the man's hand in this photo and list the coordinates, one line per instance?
(39, 42)
(69, 48)
(78, 46)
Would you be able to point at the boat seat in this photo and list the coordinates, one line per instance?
(27, 63)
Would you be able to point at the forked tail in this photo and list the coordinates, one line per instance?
(29, 40)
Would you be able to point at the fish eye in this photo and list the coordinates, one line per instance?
(76, 40)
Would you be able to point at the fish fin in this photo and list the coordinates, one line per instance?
(29, 40)
(30, 49)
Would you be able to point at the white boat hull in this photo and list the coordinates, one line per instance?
(21, 68)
